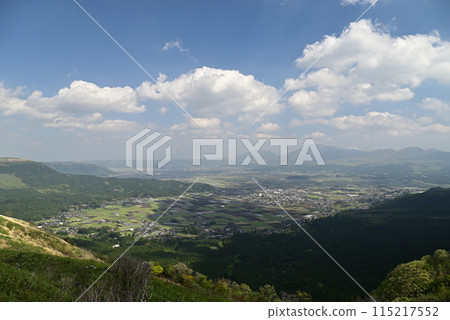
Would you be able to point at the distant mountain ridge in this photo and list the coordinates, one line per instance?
(331, 154)
(336, 155)
(382, 156)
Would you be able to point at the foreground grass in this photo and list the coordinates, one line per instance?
(26, 276)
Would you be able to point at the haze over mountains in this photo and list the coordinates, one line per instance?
(331, 155)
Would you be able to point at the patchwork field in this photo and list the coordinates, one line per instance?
(218, 213)
(195, 211)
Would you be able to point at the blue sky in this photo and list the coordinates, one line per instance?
(68, 92)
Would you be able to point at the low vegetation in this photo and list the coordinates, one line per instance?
(21, 236)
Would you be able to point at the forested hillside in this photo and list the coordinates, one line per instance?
(32, 191)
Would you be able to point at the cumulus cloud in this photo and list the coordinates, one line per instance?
(439, 128)
(198, 125)
(74, 122)
(310, 103)
(79, 97)
(386, 123)
(93, 122)
(317, 135)
(368, 52)
(367, 64)
(83, 96)
(65, 109)
(207, 122)
(269, 127)
(390, 123)
(441, 108)
(11, 103)
(210, 92)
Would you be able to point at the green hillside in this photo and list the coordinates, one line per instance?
(32, 191)
(37, 266)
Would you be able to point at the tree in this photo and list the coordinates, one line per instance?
(267, 293)
(157, 270)
(426, 279)
(126, 281)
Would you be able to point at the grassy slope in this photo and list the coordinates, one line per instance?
(37, 266)
(33, 276)
(21, 236)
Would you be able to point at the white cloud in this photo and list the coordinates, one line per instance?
(11, 104)
(207, 122)
(269, 127)
(385, 123)
(367, 64)
(93, 122)
(353, 2)
(80, 97)
(317, 134)
(60, 110)
(175, 45)
(263, 135)
(114, 126)
(366, 51)
(391, 124)
(74, 122)
(198, 125)
(322, 103)
(425, 120)
(439, 128)
(298, 123)
(441, 108)
(209, 92)
(163, 110)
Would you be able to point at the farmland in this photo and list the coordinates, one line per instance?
(193, 214)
